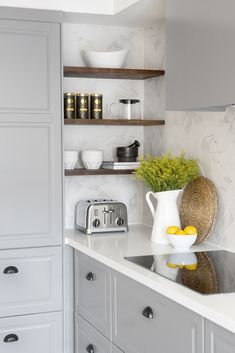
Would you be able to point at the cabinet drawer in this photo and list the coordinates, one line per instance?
(30, 281)
(218, 340)
(40, 333)
(88, 340)
(144, 321)
(92, 292)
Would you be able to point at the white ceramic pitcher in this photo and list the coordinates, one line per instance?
(166, 214)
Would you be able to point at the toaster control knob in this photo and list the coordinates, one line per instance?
(96, 223)
(119, 222)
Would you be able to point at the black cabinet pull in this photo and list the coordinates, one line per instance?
(90, 277)
(90, 349)
(148, 312)
(11, 338)
(10, 270)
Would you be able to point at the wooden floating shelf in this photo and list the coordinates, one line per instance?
(95, 72)
(113, 122)
(101, 171)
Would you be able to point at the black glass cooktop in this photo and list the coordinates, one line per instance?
(211, 272)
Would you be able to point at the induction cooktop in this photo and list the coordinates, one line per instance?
(211, 272)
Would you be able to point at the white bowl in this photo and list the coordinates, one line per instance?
(113, 59)
(70, 159)
(182, 259)
(92, 159)
(181, 242)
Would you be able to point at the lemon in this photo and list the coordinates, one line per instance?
(170, 265)
(180, 232)
(191, 267)
(190, 230)
(172, 229)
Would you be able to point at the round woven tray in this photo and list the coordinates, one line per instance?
(203, 279)
(199, 207)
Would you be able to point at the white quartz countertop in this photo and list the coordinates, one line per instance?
(111, 248)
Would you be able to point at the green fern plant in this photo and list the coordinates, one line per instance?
(167, 172)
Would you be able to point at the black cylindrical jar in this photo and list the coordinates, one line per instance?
(82, 106)
(69, 105)
(96, 106)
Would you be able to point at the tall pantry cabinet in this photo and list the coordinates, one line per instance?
(30, 182)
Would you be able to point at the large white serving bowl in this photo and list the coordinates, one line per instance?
(92, 159)
(182, 242)
(112, 59)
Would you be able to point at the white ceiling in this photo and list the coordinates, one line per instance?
(140, 14)
(108, 7)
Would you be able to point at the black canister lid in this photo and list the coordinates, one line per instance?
(129, 101)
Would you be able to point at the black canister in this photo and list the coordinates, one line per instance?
(82, 104)
(69, 105)
(96, 106)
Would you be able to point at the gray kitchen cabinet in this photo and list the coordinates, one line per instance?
(30, 133)
(89, 340)
(30, 281)
(30, 69)
(93, 292)
(40, 333)
(143, 320)
(200, 54)
(218, 340)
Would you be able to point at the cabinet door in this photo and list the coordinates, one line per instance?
(200, 55)
(30, 71)
(219, 340)
(144, 321)
(30, 281)
(40, 333)
(30, 134)
(30, 186)
(88, 340)
(92, 292)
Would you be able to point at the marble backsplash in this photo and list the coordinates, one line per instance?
(123, 188)
(206, 136)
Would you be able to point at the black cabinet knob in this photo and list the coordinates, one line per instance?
(90, 277)
(11, 338)
(148, 312)
(10, 270)
(90, 349)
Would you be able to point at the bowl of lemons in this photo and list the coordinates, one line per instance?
(182, 239)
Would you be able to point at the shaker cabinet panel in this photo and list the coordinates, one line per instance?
(40, 333)
(218, 340)
(88, 340)
(92, 292)
(30, 281)
(29, 71)
(200, 56)
(143, 320)
(30, 186)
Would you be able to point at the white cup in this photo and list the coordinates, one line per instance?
(92, 159)
(70, 159)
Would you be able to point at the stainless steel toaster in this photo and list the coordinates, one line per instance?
(98, 216)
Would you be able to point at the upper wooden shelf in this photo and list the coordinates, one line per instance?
(113, 122)
(95, 72)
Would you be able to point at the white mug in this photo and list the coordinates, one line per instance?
(70, 159)
(92, 159)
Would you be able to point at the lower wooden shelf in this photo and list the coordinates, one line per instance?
(102, 171)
